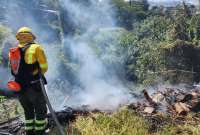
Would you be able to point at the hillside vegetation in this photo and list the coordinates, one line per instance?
(149, 43)
(149, 46)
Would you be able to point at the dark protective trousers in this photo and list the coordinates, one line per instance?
(35, 110)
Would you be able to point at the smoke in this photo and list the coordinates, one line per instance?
(4, 77)
(96, 87)
(99, 89)
(21, 13)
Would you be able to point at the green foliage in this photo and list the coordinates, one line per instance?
(149, 45)
(155, 28)
(146, 42)
(127, 122)
(128, 14)
(186, 129)
(9, 109)
(195, 27)
(137, 50)
(180, 29)
(107, 43)
(2, 99)
(146, 58)
(124, 122)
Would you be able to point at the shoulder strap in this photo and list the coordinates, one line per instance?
(26, 46)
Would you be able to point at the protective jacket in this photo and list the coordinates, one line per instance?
(26, 61)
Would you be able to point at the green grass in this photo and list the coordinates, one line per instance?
(122, 122)
(180, 130)
(9, 109)
(128, 122)
(2, 99)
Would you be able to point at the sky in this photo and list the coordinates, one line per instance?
(171, 1)
(160, 1)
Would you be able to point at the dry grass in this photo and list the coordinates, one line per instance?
(122, 122)
(127, 122)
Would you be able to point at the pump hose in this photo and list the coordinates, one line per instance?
(60, 128)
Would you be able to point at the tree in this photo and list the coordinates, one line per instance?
(145, 4)
(180, 29)
(186, 10)
(195, 27)
(127, 14)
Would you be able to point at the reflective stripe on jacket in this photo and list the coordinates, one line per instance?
(35, 53)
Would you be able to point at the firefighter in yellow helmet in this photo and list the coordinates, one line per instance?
(28, 62)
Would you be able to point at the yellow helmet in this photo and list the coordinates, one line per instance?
(24, 30)
(25, 35)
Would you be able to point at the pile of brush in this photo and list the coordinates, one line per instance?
(15, 126)
(169, 106)
(170, 101)
(11, 127)
(166, 106)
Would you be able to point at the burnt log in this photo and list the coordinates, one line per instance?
(67, 115)
(187, 98)
(149, 99)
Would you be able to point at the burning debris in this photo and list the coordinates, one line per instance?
(170, 101)
(11, 127)
(169, 106)
(15, 126)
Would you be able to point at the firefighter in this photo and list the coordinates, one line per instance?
(28, 63)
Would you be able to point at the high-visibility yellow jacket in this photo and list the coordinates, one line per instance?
(35, 53)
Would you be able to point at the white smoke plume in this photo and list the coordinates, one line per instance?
(98, 89)
(22, 13)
